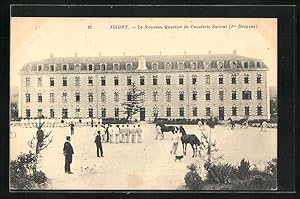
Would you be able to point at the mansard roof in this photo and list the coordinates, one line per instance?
(134, 59)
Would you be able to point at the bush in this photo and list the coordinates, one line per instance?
(243, 169)
(221, 173)
(23, 173)
(192, 178)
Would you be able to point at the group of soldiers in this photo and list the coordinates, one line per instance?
(119, 133)
(59, 122)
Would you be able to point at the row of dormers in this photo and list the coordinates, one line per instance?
(192, 65)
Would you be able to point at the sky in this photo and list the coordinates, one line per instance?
(34, 39)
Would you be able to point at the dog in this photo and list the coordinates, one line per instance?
(178, 157)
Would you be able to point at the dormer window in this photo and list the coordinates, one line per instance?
(206, 65)
(77, 67)
(246, 64)
(65, 67)
(155, 66)
(220, 64)
(116, 66)
(181, 65)
(40, 67)
(233, 64)
(193, 65)
(90, 67)
(168, 66)
(103, 67)
(52, 66)
(129, 66)
(258, 65)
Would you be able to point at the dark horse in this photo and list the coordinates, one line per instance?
(189, 138)
(242, 122)
(165, 128)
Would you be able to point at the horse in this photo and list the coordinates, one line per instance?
(192, 139)
(242, 122)
(165, 128)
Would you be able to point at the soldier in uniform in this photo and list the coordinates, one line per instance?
(68, 153)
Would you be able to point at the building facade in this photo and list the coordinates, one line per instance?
(172, 86)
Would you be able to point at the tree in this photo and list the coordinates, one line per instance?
(132, 103)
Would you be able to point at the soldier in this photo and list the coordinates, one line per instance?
(133, 134)
(117, 134)
(111, 133)
(127, 133)
(102, 133)
(68, 153)
(122, 134)
(139, 134)
(98, 144)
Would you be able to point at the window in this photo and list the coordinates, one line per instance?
(194, 79)
(155, 111)
(77, 67)
(129, 66)
(128, 80)
(221, 95)
(91, 111)
(181, 111)
(116, 112)
(246, 95)
(246, 79)
(103, 81)
(51, 67)
(154, 66)
(233, 95)
(27, 97)
(116, 96)
(168, 96)
(194, 95)
(64, 67)
(77, 112)
(116, 66)
(247, 111)
(142, 96)
(181, 95)
(233, 78)
(155, 96)
(181, 65)
(234, 111)
(168, 66)
(259, 110)
(168, 111)
(258, 95)
(142, 80)
(52, 115)
(90, 81)
(64, 113)
(103, 96)
(28, 113)
(77, 97)
(207, 95)
(39, 80)
(27, 81)
(103, 112)
(64, 97)
(154, 80)
(181, 80)
(207, 111)
(102, 67)
(51, 81)
(77, 81)
(245, 64)
(207, 79)
(90, 97)
(258, 64)
(258, 78)
(39, 67)
(40, 112)
(194, 111)
(168, 80)
(116, 80)
(90, 67)
(193, 65)
(40, 97)
(52, 97)
(221, 79)
(65, 81)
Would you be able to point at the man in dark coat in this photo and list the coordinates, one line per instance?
(98, 144)
(72, 128)
(68, 153)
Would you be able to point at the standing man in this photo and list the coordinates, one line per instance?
(133, 134)
(117, 134)
(139, 134)
(127, 133)
(111, 133)
(72, 128)
(122, 134)
(99, 144)
(68, 153)
(175, 139)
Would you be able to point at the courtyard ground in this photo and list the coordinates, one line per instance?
(147, 165)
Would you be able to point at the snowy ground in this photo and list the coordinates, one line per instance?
(147, 165)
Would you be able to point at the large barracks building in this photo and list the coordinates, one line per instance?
(172, 86)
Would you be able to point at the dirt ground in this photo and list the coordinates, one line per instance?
(147, 165)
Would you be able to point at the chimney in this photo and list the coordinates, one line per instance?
(234, 52)
(51, 55)
(209, 52)
(184, 52)
(75, 54)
